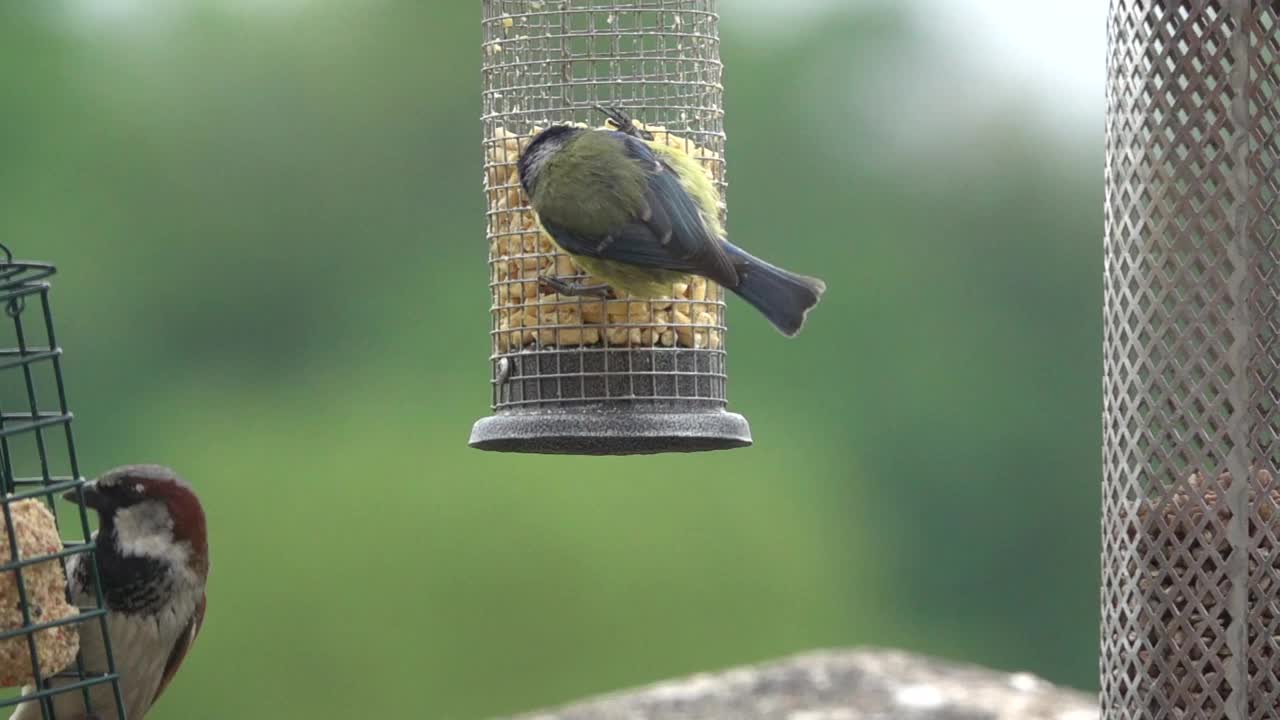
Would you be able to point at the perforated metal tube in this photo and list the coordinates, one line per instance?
(579, 375)
(1191, 510)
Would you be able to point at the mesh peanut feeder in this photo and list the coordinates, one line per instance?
(39, 629)
(598, 375)
(1191, 528)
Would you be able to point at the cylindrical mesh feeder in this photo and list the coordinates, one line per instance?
(591, 375)
(39, 628)
(1191, 526)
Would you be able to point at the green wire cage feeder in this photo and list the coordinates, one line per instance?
(591, 375)
(39, 628)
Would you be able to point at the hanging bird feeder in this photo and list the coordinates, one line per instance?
(610, 375)
(39, 629)
(1191, 505)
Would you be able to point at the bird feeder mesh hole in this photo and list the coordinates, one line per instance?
(39, 629)
(547, 62)
(1191, 504)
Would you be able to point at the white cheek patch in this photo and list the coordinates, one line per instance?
(146, 530)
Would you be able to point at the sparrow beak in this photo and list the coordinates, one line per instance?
(86, 495)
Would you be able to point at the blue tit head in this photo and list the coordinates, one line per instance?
(537, 155)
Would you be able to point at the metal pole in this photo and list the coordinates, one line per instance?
(1191, 511)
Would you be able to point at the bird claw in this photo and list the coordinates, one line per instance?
(572, 289)
(623, 122)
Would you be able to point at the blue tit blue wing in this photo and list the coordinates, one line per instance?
(633, 244)
(668, 234)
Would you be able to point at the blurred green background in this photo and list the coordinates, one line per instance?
(268, 220)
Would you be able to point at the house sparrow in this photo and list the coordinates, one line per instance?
(153, 560)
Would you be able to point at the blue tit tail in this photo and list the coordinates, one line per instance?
(781, 296)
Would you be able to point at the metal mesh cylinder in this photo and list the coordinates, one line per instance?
(39, 630)
(585, 375)
(1191, 528)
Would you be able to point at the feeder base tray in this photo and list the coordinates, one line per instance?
(599, 433)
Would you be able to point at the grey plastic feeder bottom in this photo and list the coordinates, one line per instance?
(611, 433)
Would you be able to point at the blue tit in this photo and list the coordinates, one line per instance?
(642, 216)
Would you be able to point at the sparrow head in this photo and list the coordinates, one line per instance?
(148, 512)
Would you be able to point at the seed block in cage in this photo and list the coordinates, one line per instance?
(39, 629)
(1191, 375)
(45, 585)
(613, 374)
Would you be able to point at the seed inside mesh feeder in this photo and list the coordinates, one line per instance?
(526, 313)
(46, 594)
(1184, 543)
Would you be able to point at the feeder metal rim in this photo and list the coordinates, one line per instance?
(50, 692)
(78, 674)
(47, 420)
(492, 48)
(592, 84)
(10, 267)
(26, 358)
(66, 552)
(587, 11)
(45, 487)
(49, 480)
(22, 288)
(620, 432)
(79, 617)
(719, 114)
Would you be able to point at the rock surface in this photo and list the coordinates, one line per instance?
(855, 684)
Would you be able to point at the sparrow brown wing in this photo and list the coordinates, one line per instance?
(180, 648)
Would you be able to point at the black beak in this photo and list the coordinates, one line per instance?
(86, 495)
